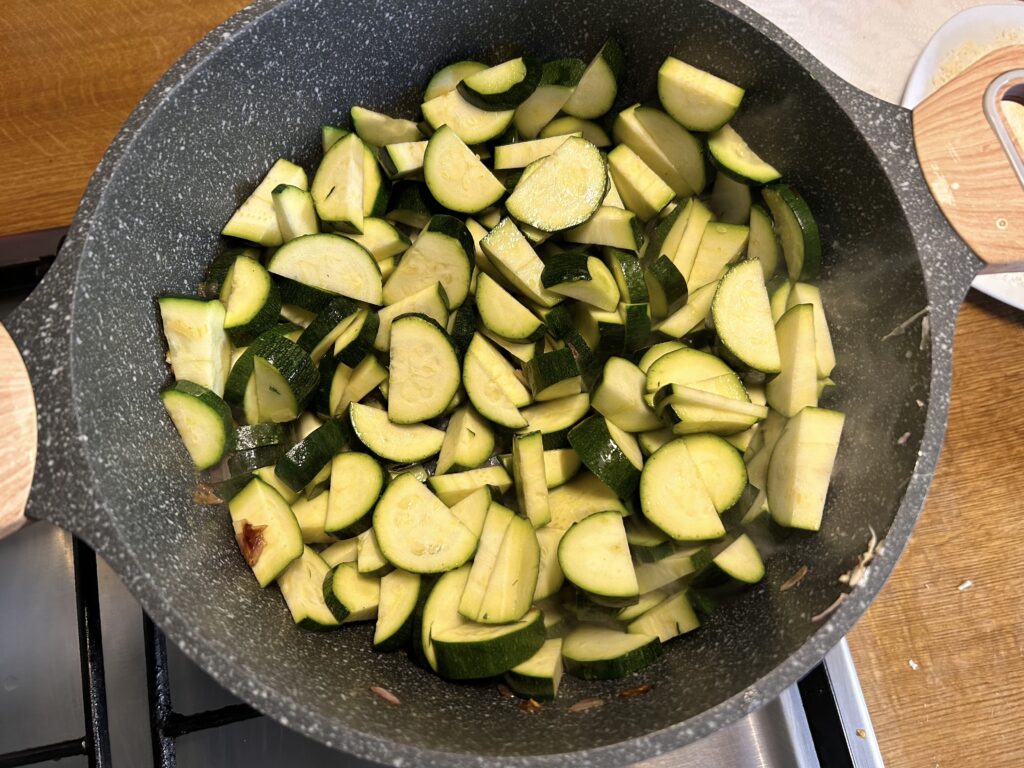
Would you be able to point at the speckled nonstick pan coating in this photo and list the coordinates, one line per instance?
(111, 468)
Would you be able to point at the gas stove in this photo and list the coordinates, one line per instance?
(87, 679)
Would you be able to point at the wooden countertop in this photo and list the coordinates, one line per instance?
(941, 662)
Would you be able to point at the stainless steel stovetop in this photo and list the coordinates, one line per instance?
(821, 722)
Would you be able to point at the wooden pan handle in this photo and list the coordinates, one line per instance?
(970, 160)
(18, 441)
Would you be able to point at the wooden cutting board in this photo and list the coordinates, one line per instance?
(941, 663)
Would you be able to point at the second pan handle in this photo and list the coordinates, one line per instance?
(970, 160)
(19, 441)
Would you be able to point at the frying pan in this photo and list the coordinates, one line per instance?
(110, 468)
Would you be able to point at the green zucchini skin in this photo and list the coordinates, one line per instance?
(306, 458)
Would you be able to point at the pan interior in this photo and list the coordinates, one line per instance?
(264, 94)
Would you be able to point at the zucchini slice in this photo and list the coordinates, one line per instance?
(683, 150)
(472, 509)
(331, 135)
(402, 443)
(524, 153)
(453, 488)
(674, 498)
(339, 552)
(554, 418)
(672, 617)
(743, 318)
(730, 200)
(424, 371)
(657, 351)
(720, 246)
(256, 220)
(329, 323)
(550, 577)
(330, 263)
(467, 650)
(351, 595)
(516, 261)
(594, 555)
(798, 231)
(441, 254)
(310, 455)
(197, 347)
(733, 157)
(558, 78)
(472, 124)
(628, 272)
(499, 370)
(641, 189)
(539, 676)
(486, 391)
(567, 125)
(501, 313)
(696, 99)
(504, 86)
(780, 300)
(564, 191)
(411, 205)
(356, 339)
(596, 91)
(400, 594)
(560, 465)
(594, 652)
(362, 380)
(296, 214)
(265, 529)
(619, 397)
(503, 578)
(468, 442)
(721, 468)
(248, 437)
(667, 572)
(763, 244)
(610, 453)
(380, 130)
(417, 532)
(801, 468)
(202, 419)
(431, 301)
(357, 481)
(797, 385)
(338, 184)
(687, 366)
(708, 406)
(456, 177)
(688, 317)
(666, 287)
(804, 293)
(447, 79)
(528, 474)
(381, 238)
(738, 562)
(630, 132)
(278, 375)
(611, 226)
(369, 558)
(580, 276)
(636, 324)
(582, 496)
(554, 375)
(302, 586)
(402, 159)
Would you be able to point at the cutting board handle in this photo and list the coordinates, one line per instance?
(970, 160)
(18, 442)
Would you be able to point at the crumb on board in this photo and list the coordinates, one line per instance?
(965, 585)
(862, 733)
(920, 403)
(903, 439)
(530, 706)
(913, 664)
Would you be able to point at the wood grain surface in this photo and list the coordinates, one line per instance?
(965, 164)
(71, 71)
